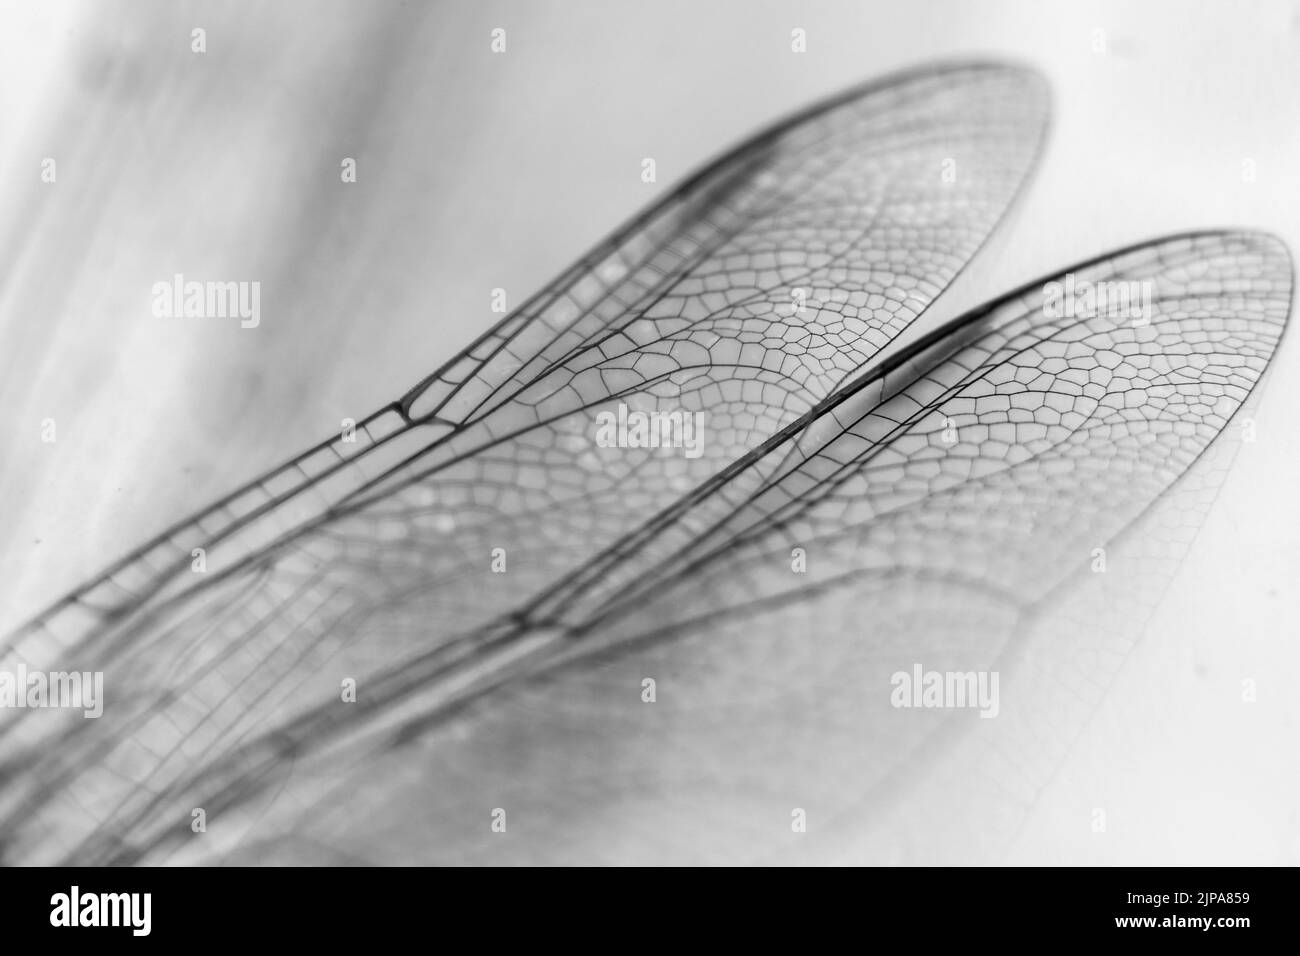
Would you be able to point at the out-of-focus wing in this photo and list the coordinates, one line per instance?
(936, 515)
(749, 295)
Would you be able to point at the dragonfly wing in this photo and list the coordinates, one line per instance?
(376, 544)
(690, 307)
(940, 515)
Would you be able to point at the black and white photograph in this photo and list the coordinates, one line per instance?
(615, 434)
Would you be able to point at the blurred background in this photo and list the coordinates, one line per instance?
(478, 171)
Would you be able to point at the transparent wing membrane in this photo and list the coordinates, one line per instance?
(690, 308)
(747, 296)
(945, 512)
(950, 514)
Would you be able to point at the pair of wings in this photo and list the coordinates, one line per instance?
(633, 654)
